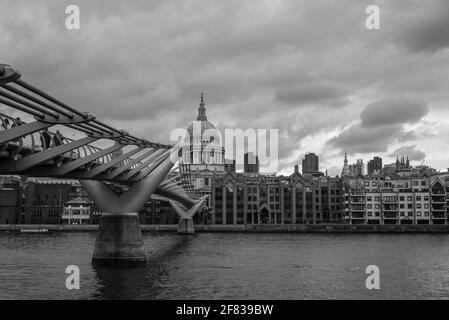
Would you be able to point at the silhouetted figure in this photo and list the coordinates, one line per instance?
(45, 139)
(58, 138)
(16, 122)
(5, 124)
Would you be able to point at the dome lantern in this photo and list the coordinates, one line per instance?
(202, 110)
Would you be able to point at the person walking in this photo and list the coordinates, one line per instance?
(45, 139)
(58, 139)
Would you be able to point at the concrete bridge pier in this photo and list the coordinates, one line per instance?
(185, 226)
(119, 241)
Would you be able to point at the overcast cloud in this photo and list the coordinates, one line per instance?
(308, 68)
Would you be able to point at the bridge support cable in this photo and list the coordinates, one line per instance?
(73, 165)
(147, 167)
(118, 171)
(95, 172)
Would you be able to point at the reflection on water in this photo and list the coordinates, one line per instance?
(135, 283)
(230, 266)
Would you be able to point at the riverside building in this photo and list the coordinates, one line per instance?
(396, 200)
(240, 198)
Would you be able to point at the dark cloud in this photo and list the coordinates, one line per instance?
(391, 111)
(381, 122)
(313, 93)
(407, 136)
(362, 139)
(410, 151)
(426, 30)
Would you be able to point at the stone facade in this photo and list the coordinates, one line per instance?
(239, 198)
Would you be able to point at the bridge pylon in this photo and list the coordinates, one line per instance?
(119, 240)
(185, 225)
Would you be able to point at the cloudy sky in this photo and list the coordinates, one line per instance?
(307, 68)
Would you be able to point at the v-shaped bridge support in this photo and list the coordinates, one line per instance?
(185, 225)
(119, 240)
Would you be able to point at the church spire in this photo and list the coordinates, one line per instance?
(201, 110)
(345, 171)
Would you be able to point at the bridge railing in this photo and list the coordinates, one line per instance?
(35, 142)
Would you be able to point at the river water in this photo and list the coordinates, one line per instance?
(231, 266)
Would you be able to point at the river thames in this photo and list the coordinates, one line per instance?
(231, 266)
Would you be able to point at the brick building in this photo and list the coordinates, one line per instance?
(239, 198)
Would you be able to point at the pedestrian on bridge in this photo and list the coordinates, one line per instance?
(5, 124)
(58, 139)
(45, 139)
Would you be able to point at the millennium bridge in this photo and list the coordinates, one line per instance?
(143, 169)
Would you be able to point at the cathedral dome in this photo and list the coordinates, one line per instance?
(195, 133)
(203, 145)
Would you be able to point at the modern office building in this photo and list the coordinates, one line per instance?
(310, 163)
(239, 198)
(251, 163)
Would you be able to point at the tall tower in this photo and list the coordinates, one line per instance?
(310, 163)
(345, 172)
